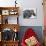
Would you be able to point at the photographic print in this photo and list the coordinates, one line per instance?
(29, 13)
(5, 12)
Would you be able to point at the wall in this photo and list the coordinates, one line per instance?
(32, 4)
(27, 4)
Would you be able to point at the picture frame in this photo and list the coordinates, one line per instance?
(13, 12)
(5, 12)
(30, 13)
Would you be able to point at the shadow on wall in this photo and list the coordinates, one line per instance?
(37, 29)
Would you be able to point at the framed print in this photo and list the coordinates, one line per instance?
(13, 12)
(29, 13)
(5, 12)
